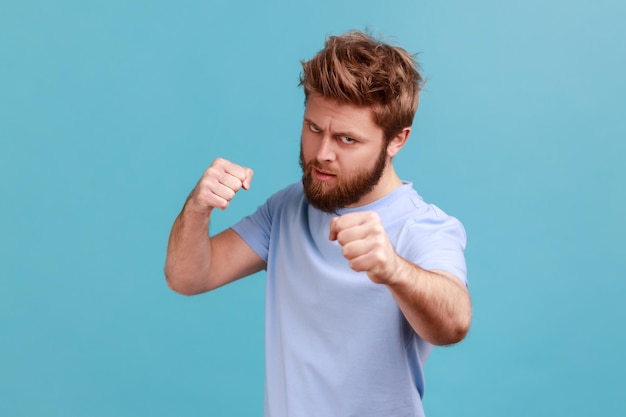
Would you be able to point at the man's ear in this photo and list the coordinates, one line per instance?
(398, 142)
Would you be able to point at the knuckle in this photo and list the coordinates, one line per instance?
(233, 183)
(378, 229)
(239, 171)
(370, 215)
(378, 257)
(211, 172)
(229, 194)
(355, 265)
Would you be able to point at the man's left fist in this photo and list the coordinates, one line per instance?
(365, 245)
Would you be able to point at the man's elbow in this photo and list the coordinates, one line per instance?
(460, 331)
(457, 330)
(177, 282)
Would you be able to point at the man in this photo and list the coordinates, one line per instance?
(363, 276)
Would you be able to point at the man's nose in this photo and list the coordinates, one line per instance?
(326, 151)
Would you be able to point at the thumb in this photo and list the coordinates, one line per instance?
(248, 179)
(333, 229)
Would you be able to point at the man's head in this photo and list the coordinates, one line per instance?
(357, 69)
(361, 97)
(343, 155)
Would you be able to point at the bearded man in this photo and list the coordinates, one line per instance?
(363, 276)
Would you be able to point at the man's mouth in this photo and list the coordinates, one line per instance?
(322, 175)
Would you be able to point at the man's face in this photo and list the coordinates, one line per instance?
(342, 155)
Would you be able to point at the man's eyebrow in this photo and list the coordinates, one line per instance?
(349, 134)
(309, 121)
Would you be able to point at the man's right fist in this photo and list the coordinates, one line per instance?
(218, 185)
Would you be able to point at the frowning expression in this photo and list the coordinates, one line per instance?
(343, 154)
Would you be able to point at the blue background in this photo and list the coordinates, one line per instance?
(111, 110)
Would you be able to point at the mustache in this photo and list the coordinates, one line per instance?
(315, 164)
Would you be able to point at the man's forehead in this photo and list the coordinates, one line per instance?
(322, 112)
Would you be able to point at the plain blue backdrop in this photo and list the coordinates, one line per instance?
(111, 110)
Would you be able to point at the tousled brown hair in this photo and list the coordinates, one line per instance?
(354, 68)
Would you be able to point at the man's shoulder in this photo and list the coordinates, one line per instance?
(409, 211)
(412, 203)
(288, 196)
(402, 203)
(290, 191)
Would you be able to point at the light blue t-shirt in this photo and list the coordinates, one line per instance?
(337, 344)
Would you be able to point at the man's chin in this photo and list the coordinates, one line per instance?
(322, 199)
(325, 187)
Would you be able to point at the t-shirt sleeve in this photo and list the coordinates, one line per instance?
(255, 229)
(436, 242)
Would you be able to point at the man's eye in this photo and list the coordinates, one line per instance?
(347, 140)
(313, 128)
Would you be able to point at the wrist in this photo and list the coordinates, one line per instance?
(193, 208)
(194, 216)
(399, 272)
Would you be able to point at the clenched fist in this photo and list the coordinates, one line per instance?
(365, 245)
(218, 185)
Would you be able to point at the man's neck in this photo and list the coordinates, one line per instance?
(388, 182)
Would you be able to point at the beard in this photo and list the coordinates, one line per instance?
(348, 189)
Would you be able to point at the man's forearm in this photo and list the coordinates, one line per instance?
(188, 259)
(436, 304)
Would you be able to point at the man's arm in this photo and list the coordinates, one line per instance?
(198, 263)
(436, 304)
